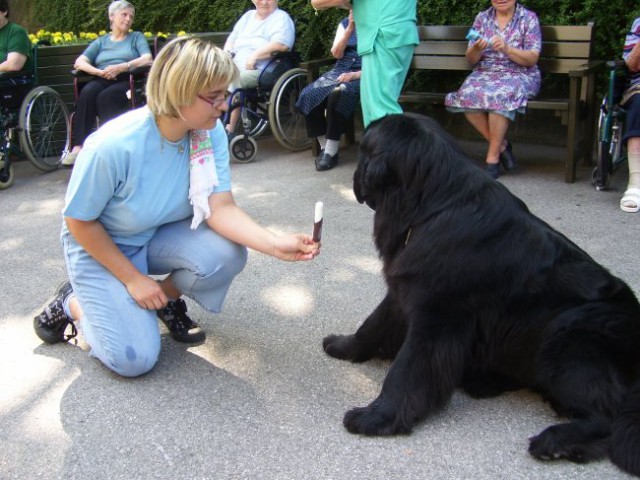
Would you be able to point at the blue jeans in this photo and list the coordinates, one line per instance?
(126, 337)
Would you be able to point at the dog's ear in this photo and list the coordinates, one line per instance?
(372, 171)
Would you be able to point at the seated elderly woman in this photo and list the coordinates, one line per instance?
(255, 37)
(630, 201)
(504, 76)
(109, 58)
(329, 101)
(15, 46)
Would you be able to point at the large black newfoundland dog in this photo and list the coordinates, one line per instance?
(485, 296)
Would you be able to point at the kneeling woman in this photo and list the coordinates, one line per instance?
(504, 76)
(151, 194)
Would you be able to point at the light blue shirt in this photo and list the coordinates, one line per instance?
(132, 180)
(103, 51)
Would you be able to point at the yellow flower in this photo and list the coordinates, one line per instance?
(182, 33)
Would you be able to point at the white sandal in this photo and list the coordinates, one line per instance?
(630, 201)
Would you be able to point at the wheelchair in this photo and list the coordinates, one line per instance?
(272, 103)
(611, 152)
(34, 122)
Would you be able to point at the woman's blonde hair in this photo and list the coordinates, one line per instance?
(184, 68)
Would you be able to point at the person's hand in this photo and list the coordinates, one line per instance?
(295, 247)
(499, 45)
(480, 44)
(112, 71)
(348, 77)
(147, 293)
(250, 64)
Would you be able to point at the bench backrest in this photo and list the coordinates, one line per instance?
(443, 47)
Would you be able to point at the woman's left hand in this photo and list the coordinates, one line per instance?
(348, 77)
(295, 247)
(112, 71)
(498, 44)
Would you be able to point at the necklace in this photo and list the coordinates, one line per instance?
(180, 145)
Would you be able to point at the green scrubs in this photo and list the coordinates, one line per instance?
(387, 36)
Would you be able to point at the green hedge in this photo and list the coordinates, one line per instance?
(315, 32)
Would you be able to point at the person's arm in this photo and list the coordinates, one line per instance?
(15, 62)
(633, 59)
(526, 58)
(233, 223)
(264, 52)
(474, 52)
(84, 65)
(342, 38)
(324, 4)
(92, 236)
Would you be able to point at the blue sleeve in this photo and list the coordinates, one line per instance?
(220, 145)
(141, 44)
(91, 52)
(93, 184)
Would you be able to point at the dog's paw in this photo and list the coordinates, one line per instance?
(374, 420)
(568, 442)
(344, 347)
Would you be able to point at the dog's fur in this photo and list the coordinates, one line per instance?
(485, 296)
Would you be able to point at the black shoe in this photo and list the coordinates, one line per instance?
(181, 327)
(507, 159)
(51, 324)
(493, 169)
(326, 161)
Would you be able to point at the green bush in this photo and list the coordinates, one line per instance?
(315, 32)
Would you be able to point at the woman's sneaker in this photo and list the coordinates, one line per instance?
(180, 326)
(50, 325)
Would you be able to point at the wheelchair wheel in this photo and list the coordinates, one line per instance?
(609, 146)
(6, 175)
(287, 123)
(243, 149)
(44, 128)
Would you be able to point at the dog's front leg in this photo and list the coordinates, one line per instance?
(381, 334)
(420, 381)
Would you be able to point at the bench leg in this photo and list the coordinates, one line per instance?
(572, 124)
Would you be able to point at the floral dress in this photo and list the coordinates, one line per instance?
(496, 83)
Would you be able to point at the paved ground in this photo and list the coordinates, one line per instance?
(260, 399)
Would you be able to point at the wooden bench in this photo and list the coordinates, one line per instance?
(566, 51)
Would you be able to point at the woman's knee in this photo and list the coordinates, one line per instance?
(135, 360)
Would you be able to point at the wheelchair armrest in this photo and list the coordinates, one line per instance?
(18, 74)
(615, 64)
(290, 54)
(586, 69)
(80, 74)
(140, 71)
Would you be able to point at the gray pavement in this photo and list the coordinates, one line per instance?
(260, 399)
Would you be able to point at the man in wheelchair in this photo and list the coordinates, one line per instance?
(630, 201)
(255, 37)
(15, 46)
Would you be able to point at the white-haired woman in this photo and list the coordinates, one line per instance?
(151, 194)
(109, 58)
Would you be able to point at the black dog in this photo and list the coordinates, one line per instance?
(485, 296)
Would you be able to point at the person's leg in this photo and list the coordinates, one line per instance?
(122, 335)
(630, 201)
(84, 119)
(248, 79)
(383, 74)
(498, 126)
(201, 264)
(113, 101)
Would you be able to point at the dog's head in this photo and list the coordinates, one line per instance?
(406, 155)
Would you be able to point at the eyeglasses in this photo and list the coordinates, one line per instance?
(216, 102)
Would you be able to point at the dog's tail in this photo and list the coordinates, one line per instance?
(625, 433)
